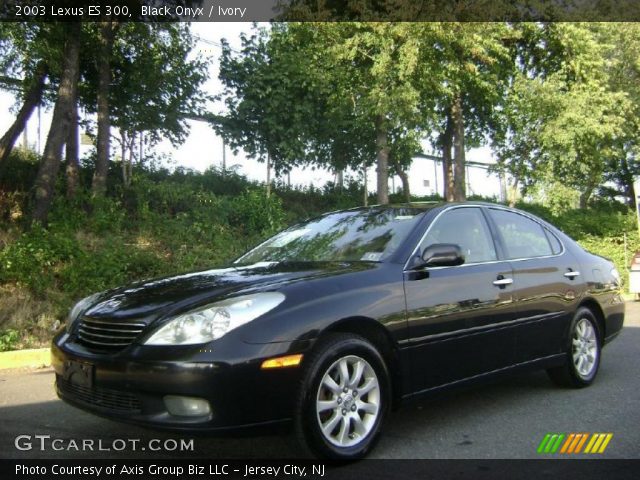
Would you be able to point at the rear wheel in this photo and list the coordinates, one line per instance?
(583, 352)
(344, 398)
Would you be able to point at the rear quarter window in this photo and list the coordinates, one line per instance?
(556, 246)
(522, 237)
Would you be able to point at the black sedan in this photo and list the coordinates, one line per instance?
(331, 323)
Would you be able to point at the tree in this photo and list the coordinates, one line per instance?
(30, 54)
(374, 70)
(155, 87)
(623, 165)
(268, 100)
(107, 29)
(562, 118)
(33, 87)
(473, 64)
(404, 146)
(72, 147)
(50, 164)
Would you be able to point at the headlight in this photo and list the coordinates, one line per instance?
(79, 309)
(215, 320)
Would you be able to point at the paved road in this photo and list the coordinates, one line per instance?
(503, 420)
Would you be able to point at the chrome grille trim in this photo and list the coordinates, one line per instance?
(108, 334)
(111, 322)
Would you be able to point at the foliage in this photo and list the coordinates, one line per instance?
(563, 118)
(9, 339)
(156, 82)
(169, 222)
(268, 100)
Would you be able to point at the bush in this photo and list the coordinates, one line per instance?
(169, 222)
(253, 214)
(9, 340)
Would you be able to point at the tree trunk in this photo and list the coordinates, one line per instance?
(503, 186)
(405, 184)
(123, 156)
(593, 181)
(513, 192)
(71, 149)
(51, 157)
(224, 159)
(268, 175)
(630, 194)
(404, 177)
(99, 186)
(459, 171)
(132, 146)
(382, 146)
(127, 146)
(340, 180)
(365, 200)
(141, 157)
(585, 196)
(626, 181)
(446, 141)
(31, 100)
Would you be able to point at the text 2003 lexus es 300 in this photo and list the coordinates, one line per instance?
(330, 323)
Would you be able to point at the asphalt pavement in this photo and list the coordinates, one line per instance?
(505, 420)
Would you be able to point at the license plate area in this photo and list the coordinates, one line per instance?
(78, 373)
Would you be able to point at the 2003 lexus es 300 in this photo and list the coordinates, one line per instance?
(330, 323)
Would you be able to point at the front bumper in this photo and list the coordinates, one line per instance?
(130, 385)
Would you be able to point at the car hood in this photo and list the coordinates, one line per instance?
(153, 299)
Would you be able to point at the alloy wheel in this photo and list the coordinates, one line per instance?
(348, 401)
(584, 347)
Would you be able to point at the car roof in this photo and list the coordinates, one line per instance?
(428, 205)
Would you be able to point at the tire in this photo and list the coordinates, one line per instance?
(333, 419)
(583, 352)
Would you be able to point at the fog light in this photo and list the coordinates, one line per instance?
(186, 406)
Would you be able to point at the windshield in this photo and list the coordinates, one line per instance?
(354, 235)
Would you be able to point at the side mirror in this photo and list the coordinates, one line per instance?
(443, 255)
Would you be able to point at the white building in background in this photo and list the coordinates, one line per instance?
(426, 178)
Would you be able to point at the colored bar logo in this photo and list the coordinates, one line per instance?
(570, 443)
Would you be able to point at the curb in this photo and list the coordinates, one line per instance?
(36, 357)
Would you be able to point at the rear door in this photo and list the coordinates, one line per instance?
(546, 282)
(459, 317)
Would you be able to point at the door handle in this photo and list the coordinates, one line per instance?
(572, 274)
(503, 281)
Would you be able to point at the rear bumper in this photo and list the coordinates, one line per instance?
(131, 387)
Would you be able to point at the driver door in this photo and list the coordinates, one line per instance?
(459, 316)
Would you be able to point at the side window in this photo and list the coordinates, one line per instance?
(467, 228)
(556, 246)
(523, 237)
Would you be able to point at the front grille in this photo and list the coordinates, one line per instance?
(99, 397)
(107, 334)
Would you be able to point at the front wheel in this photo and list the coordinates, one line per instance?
(583, 352)
(344, 398)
